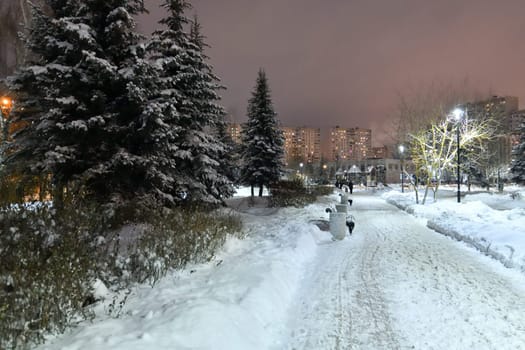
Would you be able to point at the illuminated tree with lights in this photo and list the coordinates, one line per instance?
(434, 149)
(263, 142)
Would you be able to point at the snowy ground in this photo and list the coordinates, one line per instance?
(393, 284)
(494, 223)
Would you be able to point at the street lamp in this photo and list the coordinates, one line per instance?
(401, 151)
(6, 104)
(458, 114)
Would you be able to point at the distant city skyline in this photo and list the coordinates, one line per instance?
(348, 62)
(304, 144)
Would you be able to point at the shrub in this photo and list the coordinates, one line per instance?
(45, 272)
(322, 190)
(49, 259)
(294, 193)
(177, 238)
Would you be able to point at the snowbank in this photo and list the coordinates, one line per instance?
(239, 300)
(493, 223)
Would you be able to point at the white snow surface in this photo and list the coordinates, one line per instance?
(393, 284)
(494, 223)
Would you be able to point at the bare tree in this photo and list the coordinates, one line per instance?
(421, 106)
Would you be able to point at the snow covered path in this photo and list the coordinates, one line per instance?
(395, 284)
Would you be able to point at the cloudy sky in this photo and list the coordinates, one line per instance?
(346, 62)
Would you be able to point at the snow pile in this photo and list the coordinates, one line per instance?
(239, 300)
(493, 223)
(246, 296)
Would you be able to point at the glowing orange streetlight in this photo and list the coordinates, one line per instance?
(6, 105)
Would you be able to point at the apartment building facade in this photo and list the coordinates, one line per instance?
(504, 109)
(348, 144)
(234, 131)
(302, 145)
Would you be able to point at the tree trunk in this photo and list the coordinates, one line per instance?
(426, 193)
(252, 190)
(260, 190)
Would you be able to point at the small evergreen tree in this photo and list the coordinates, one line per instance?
(518, 162)
(263, 142)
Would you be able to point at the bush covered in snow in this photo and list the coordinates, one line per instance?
(45, 272)
(51, 260)
(293, 193)
(175, 239)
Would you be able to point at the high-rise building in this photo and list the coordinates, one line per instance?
(379, 153)
(361, 143)
(290, 149)
(340, 145)
(302, 144)
(516, 120)
(502, 109)
(350, 143)
(234, 131)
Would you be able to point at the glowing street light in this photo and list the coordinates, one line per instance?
(401, 152)
(6, 104)
(458, 115)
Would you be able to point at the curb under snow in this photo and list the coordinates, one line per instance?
(481, 245)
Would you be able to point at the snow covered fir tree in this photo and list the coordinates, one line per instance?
(124, 131)
(114, 118)
(78, 99)
(225, 149)
(262, 140)
(190, 87)
(517, 167)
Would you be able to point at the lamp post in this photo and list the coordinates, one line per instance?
(6, 104)
(458, 114)
(401, 151)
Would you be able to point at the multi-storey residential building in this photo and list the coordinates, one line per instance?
(340, 144)
(302, 144)
(499, 107)
(234, 131)
(516, 120)
(361, 143)
(379, 153)
(309, 140)
(290, 149)
(350, 143)
(502, 109)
